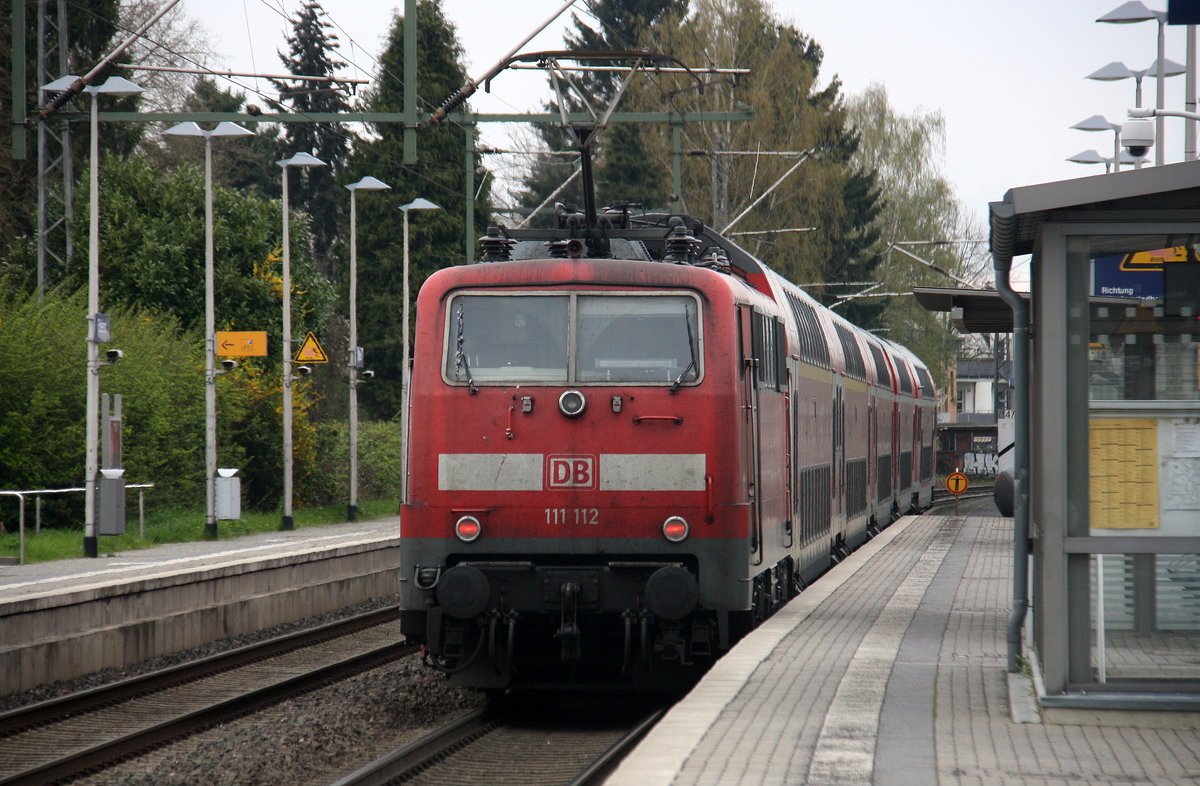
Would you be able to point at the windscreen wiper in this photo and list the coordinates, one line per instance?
(460, 356)
(692, 348)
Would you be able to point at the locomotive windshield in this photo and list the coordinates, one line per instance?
(573, 339)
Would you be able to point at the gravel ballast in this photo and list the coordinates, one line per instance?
(313, 739)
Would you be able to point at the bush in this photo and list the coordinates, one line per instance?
(378, 463)
(43, 359)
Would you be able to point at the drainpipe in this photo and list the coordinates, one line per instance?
(1020, 363)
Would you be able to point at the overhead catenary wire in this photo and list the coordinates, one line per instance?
(803, 157)
(213, 72)
(772, 231)
(932, 265)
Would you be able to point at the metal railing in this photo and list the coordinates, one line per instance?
(37, 495)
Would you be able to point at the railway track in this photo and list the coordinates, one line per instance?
(515, 745)
(88, 731)
(976, 491)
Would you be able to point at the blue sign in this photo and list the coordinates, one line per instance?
(1120, 276)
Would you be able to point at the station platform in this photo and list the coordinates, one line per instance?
(70, 617)
(892, 670)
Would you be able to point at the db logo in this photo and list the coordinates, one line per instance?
(576, 472)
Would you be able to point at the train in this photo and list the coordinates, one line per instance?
(629, 443)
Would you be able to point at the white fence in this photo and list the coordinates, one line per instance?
(37, 495)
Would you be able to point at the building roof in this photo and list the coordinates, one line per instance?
(1016, 220)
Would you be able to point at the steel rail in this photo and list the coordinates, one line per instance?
(602, 767)
(410, 760)
(422, 752)
(105, 695)
(109, 751)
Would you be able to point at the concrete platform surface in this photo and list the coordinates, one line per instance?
(70, 617)
(890, 670)
(26, 581)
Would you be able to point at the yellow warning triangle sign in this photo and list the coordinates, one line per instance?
(311, 351)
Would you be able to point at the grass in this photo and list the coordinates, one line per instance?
(173, 526)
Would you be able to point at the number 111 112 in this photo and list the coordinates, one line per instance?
(572, 516)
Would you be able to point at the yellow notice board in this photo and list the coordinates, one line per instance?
(1123, 465)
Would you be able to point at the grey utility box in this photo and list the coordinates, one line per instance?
(111, 502)
(229, 495)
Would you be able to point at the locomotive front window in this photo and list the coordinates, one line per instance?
(508, 339)
(636, 339)
(573, 339)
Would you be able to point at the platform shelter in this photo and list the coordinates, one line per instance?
(1110, 484)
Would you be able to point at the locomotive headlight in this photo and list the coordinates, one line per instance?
(571, 403)
(467, 529)
(676, 529)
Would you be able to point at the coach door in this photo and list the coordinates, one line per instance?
(839, 449)
(752, 444)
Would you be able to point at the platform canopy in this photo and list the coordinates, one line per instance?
(971, 310)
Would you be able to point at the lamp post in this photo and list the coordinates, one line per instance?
(416, 204)
(355, 360)
(210, 329)
(114, 86)
(1136, 11)
(300, 160)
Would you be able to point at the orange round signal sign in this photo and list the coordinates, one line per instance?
(956, 483)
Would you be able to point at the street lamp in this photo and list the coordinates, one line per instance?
(210, 329)
(1132, 12)
(300, 160)
(416, 204)
(1092, 157)
(1114, 72)
(1100, 123)
(366, 184)
(114, 86)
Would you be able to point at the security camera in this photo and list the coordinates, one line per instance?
(113, 355)
(368, 374)
(229, 365)
(303, 371)
(1137, 136)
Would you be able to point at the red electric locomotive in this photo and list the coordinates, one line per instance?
(630, 442)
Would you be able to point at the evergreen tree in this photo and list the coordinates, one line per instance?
(436, 236)
(312, 51)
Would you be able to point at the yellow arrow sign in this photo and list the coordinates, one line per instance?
(242, 343)
(311, 351)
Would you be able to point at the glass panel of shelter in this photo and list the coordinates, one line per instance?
(1134, 334)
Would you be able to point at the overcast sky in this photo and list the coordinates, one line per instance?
(1008, 76)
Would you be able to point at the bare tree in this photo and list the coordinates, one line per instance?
(175, 41)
